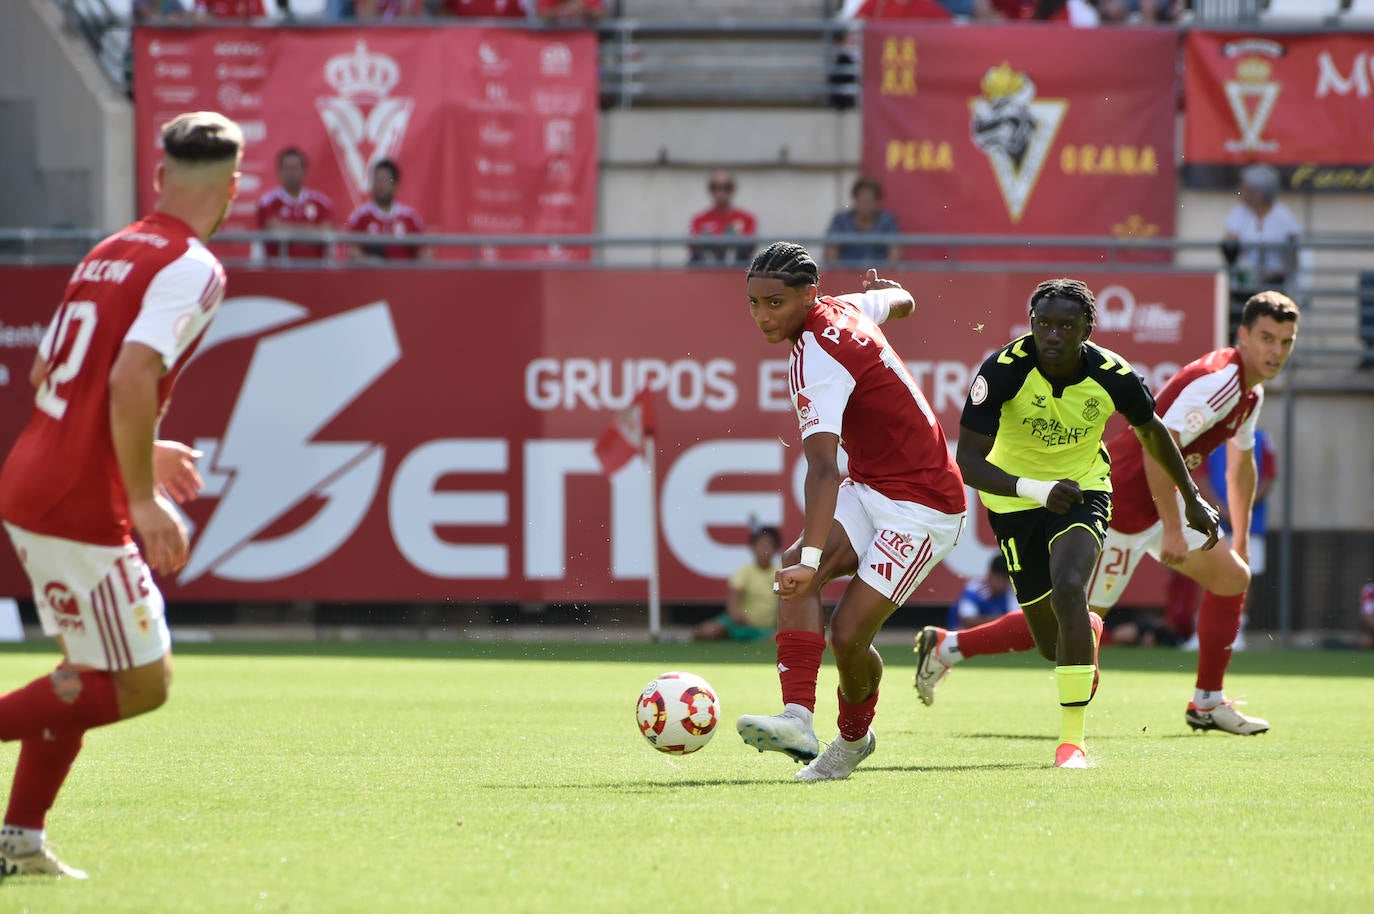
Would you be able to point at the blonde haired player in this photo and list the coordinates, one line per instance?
(86, 474)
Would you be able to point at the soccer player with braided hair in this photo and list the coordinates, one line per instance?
(898, 513)
(1030, 442)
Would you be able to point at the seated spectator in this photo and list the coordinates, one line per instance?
(388, 9)
(1259, 239)
(148, 12)
(1139, 12)
(1072, 12)
(569, 12)
(864, 216)
(230, 9)
(294, 207)
(721, 220)
(751, 607)
(985, 600)
(901, 9)
(382, 215)
(488, 9)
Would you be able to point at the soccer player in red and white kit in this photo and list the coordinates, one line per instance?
(899, 512)
(1213, 400)
(383, 215)
(294, 207)
(86, 473)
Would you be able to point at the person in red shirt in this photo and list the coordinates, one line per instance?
(570, 12)
(902, 9)
(383, 215)
(294, 207)
(86, 474)
(898, 513)
(488, 9)
(1211, 402)
(722, 219)
(230, 9)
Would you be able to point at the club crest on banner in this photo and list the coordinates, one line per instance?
(365, 122)
(1251, 94)
(1015, 131)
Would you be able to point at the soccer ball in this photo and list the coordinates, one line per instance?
(678, 713)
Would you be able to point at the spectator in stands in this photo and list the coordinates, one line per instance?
(984, 600)
(569, 12)
(383, 215)
(1072, 12)
(148, 12)
(388, 9)
(865, 216)
(488, 9)
(1256, 221)
(1138, 12)
(900, 9)
(723, 219)
(751, 606)
(294, 207)
(230, 9)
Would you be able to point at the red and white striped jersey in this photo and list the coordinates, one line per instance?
(846, 379)
(1206, 404)
(153, 283)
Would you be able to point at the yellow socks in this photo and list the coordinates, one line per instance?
(1075, 689)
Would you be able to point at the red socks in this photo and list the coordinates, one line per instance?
(1218, 623)
(1007, 635)
(799, 664)
(87, 699)
(43, 766)
(854, 719)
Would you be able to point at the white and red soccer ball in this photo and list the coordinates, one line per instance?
(678, 713)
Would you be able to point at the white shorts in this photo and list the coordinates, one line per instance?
(1121, 553)
(897, 542)
(100, 600)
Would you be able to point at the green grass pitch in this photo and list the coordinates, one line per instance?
(511, 778)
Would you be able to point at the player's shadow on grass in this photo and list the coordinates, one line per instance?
(950, 769)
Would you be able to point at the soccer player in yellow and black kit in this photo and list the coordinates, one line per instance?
(1030, 441)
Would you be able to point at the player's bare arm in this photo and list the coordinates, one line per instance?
(133, 422)
(1173, 548)
(899, 308)
(821, 490)
(1159, 443)
(39, 372)
(972, 457)
(1242, 482)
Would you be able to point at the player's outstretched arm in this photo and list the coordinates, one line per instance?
(972, 457)
(1160, 445)
(899, 308)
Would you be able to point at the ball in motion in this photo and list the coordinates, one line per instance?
(678, 713)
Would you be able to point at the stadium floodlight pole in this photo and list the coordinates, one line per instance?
(655, 614)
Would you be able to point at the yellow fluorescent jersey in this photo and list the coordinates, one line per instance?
(1047, 429)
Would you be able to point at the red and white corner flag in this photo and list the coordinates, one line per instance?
(626, 437)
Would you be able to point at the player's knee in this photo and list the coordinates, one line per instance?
(1070, 596)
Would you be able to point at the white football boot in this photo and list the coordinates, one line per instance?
(1224, 717)
(41, 862)
(838, 761)
(779, 733)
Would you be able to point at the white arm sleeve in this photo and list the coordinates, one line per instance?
(825, 390)
(177, 305)
(1202, 404)
(876, 303)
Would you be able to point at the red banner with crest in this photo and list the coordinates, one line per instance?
(1302, 101)
(495, 131)
(1023, 130)
(365, 440)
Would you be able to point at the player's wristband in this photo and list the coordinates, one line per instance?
(1035, 489)
(810, 557)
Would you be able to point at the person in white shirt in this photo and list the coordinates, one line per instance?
(1257, 229)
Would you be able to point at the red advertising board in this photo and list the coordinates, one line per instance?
(495, 130)
(990, 131)
(1293, 100)
(428, 435)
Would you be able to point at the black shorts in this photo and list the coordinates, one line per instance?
(1025, 536)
